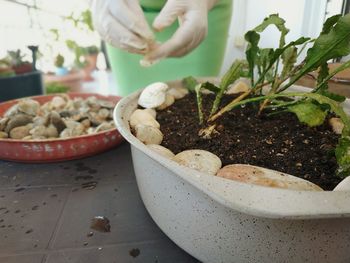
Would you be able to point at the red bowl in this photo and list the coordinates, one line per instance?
(55, 150)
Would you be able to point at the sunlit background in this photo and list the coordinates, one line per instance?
(31, 22)
(47, 24)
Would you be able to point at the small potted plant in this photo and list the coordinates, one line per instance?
(90, 56)
(5, 69)
(17, 62)
(59, 64)
(19, 78)
(249, 173)
(72, 79)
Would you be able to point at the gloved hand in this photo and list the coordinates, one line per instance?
(122, 24)
(193, 20)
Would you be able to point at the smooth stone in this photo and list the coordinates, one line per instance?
(3, 135)
(200, 160)
(143, 117)
(18, 120)
(58, 102)
(169, 100)
(56, 120)
(238, 87)
(3, 123)
(43, 131)
(148, 134)
(265, 177)
(104, 126)
(29, 106)
(152, 112)
(178, 92)
(161, 150)
(19, 132)
(344, 185)
(153, 95)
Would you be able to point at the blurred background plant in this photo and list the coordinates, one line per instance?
(15, 63)
(54, 27)
(55, 87)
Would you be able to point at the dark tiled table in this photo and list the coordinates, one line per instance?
(46, 212)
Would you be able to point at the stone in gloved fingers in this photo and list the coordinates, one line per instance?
(122, 24)
(193, 19)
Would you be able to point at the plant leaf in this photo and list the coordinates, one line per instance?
(332, 44)
(332, 96)
(190, 83)
(252, 52)
(263, 61)
(322, 82)
(230, 76)
(322, 75)
(278, 52)
(211, 87)
(308, 113)
(342, 154)
(289, 57)
(329, 23)
(274, 19)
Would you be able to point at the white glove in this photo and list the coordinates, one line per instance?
(122, 24)
(193, 20)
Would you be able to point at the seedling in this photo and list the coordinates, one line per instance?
(278, 70)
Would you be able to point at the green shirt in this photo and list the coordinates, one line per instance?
(155, 5)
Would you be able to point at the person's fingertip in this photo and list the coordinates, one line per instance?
(154, 56)
(161, 22)
(157, 26)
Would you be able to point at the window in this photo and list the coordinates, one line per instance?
(30, 22)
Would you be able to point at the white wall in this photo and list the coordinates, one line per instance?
(303, 18)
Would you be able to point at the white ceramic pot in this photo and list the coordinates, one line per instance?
(219, 220)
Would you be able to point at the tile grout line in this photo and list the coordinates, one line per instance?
(43, 260)
(59, 222)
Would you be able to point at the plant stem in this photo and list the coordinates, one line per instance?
(231, 76)
(236, 100)
(338, 110)
(199, 102)
(332, 74)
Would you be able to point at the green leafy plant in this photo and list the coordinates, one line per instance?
(84, 19)
(78, 51)
(54, 87)
(59, 61)
(277, 69)
(5, 69)
(91, 50)
(15, 58)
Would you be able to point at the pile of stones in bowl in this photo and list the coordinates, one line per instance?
(61, 117)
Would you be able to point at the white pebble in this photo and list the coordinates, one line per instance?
(343, 185)
(266, 177)
(161, 150)
(200, 160)
(143, 117)
(148, 134)
(153, 95)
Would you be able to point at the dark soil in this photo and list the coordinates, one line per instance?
(279, 142)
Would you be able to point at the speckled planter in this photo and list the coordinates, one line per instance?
(219, 220)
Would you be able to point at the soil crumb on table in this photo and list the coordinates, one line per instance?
(279, 142)
(135, 252)
(101, 224)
